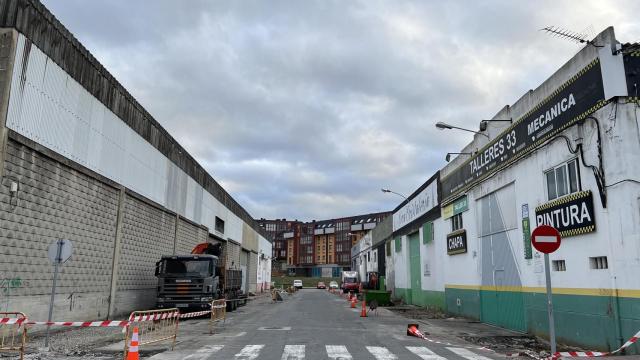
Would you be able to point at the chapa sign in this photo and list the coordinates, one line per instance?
(457, 242)
(571, 215)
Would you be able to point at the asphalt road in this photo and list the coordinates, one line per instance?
(313, 324)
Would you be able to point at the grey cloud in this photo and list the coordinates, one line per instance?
(305, 109)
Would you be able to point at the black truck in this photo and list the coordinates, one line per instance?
(191, 282)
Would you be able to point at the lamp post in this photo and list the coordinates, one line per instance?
(393, 192)
(442, 126)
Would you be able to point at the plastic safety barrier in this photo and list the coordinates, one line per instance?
(153, 326)
(13, 332)
(218, 313)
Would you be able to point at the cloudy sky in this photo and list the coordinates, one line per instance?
(305, 109)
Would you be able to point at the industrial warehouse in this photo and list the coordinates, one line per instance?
(81, 160)
(562, 155)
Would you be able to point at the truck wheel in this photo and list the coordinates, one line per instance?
(229, 306)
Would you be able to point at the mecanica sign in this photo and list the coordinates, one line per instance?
(574, 100)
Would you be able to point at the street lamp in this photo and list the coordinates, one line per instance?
(448, 158)
(393, 192)
(441, 125)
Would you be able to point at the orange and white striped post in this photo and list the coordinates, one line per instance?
(132, 352)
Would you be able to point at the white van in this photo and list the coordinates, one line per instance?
(297, 284)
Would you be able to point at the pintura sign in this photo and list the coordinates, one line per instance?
(574, 100)
(571, 215)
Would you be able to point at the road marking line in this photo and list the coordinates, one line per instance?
(381, 353)
(204, 352)
(338, 352)
(249, 352)
(467, 354)
(293, 352)
(424, 353)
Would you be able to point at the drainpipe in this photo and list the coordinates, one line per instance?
(615, 299)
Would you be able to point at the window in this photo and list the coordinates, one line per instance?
(219, 225)
(398, 244)
(368, 255)
(563, 180)
(388, 252)
(559, 265)
(456, 222)
(598, 262)
(427, 232)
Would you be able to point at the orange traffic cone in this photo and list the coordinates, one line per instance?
(412, 330)
(353, 303)
(132, 353)
(349, 296)
(363, 313)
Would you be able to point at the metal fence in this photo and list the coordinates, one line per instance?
(153, 326)
(13, 332)
(218, 313)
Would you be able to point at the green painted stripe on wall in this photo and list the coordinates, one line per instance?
(581, 320)
(426, 298)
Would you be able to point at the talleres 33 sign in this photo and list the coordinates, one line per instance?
(574, 100)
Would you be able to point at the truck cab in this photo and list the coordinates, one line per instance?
(350, 282)
(187, 282)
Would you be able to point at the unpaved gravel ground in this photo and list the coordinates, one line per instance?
(71, 344)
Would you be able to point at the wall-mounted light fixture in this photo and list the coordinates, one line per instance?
(483, 123)
(448, 158)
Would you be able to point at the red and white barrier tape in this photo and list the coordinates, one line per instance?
(194, 314)
(629, 342)
(81, 323)
(153, 317)
(12, 321)
(107, 323)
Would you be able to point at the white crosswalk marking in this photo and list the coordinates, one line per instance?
(249, 352)
(424, 353)
(381, 353)
(338, 352)
(293, 352)
(204, 352)
(467, 354)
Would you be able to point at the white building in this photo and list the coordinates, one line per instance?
(568, 159)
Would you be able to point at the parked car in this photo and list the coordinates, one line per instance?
(333, 285)
(321, 285)
(297, 284)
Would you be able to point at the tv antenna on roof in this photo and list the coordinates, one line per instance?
(570, 35)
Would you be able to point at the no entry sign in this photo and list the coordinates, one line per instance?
(545, 239)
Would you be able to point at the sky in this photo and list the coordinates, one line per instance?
(306, 109)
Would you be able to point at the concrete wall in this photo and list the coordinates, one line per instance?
(54, 202)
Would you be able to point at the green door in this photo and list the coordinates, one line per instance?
(415, 273)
